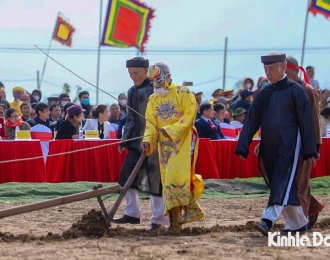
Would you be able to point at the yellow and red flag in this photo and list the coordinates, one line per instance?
(127, 24)
(63, 31)
(321, 7)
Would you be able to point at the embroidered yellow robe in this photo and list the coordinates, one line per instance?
(176, 114)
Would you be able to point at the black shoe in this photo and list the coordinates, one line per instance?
(301, 230)
(312, 221)
(154, 226)
(262, 227)
(126, 220)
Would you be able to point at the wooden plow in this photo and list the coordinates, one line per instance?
(97, 192)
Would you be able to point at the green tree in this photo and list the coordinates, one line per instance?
(66, 88)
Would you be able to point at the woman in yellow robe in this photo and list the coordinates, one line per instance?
(170, 114)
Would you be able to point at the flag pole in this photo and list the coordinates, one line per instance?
(46, 59)
(304, 39)
(224, 65)
(99, 54)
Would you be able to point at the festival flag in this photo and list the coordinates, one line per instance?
(320, 6)
(63, 31)
(127, 24)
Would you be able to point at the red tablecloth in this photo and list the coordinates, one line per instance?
(21, 171)
(323, 165)
(101, 164)
(216, 159)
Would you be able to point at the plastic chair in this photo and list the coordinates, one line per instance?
(44, 134)
(236, 124)
(228, 131)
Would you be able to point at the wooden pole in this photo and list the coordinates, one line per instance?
(48, 50)
(59, 201)
(99, 55)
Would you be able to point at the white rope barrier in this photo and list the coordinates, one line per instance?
(70, 152)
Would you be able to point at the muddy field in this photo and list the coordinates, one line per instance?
(77, 231)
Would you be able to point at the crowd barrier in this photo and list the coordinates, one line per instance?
(77, 160)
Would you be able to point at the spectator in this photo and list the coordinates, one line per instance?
(36, 96)
(262, 82)
(91, 113)
(122, 102)
(3, 109)
(224, 101)
(26, 98)
(215, 95)
(3, 96)
(327, 103)
(53, 101)
(114, 114)
(239, 117)
(17, 94)
(228, 111)
(245, 100)
(42, 112)
(229, 94)
(26, 111)
(14, 120)
(62, 118)
(325, 120)
(248, 84)
(85, 102)
(324, 97)
(33, 112)
(206, 126)
(2, 91)
(220, 113)
(64, 99)
(55, 113)
(100, 122)
(310, 73)
(198, 97)
(69, 128)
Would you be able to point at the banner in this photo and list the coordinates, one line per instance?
(127, 24)
(321, 7)
(63, 31)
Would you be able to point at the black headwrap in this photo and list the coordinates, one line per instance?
(137, 62)
(266, 60)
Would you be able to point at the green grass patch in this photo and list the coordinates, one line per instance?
(16, 192)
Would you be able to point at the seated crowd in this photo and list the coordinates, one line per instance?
(220, 118)
(59, 114)
(223, 116)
